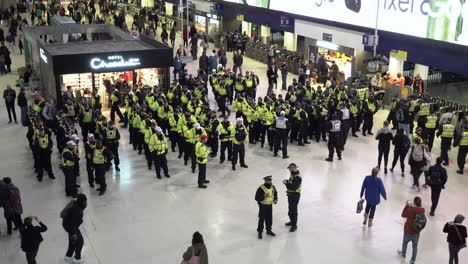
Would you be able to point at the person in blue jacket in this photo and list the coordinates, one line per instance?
(373, 187)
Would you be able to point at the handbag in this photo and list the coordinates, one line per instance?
(360, 206)
(193, 259)
(458, 233)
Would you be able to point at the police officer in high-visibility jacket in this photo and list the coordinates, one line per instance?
(281, 140)
(90, 145)
(430, 129)
(69, 159)
(266, 196)
(86, 121)
(424, 111)
(461, 140)
(238, 143)
(334, 138)
(115, 100)
(293, 186)
(43, 147)
(447, 131)
(202, 151)
(149, 132)
(100, 157)
(111, 141)
(158, 147)
(369, 108)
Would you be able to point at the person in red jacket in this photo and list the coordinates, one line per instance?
(409, 212)
(456, 237)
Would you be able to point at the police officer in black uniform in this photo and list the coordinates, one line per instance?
(111, 141)
(266, 196)
(238, 144)
(334, 138)
(293, 186)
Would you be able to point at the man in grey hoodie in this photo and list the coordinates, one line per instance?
(385, 137)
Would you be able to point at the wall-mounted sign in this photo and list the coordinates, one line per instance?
(327, 37)
(42, 54)
(115, 61)
(327, 45)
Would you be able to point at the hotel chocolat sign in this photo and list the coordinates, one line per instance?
(114, 62)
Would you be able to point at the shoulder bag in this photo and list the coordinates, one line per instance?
(193, 259)
(461, 238)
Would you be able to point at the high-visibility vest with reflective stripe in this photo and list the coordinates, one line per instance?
(353, 108)
(67, 163)
(464, 139)
(87, 116)
(297, 115)
(222, 90)
(43, 141)
(448, 130)
(98, 157)
(431, 121)
(269, 200)
(156, 145)
(111, 133)
(291, 178)
(148, 134)
(362, 93)
(95, 100)
(424, 109)
(248, 81)
(324, 111)
(414, 103)
(114, 97)
(201, 151)
(239, 86)
(70, 110)
(37, 108)
(371, 106)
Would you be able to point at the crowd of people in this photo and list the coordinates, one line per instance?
(181, 118)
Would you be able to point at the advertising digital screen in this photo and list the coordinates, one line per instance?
(443, 20)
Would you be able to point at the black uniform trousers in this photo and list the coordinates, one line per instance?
(160, 161)
(189, 153)
(294, 131)
(148, 155)
(100, 171)
(435, 195)
(445, 145)
(253, 134)
(334, 143)
(201, 173)
(85, 129)
(114, 150)
(44, 163)
(281, 141)
(174, 138)
(226, 145)
(302, 136)
(368, 123)
(181, 142)
(461, 157)
(90, 170)
(345, 126)
(70, 181)
(321, 130)
(265, 132)
(429, 134)
(131, 132)
(293, 201)
(238, 150)
(265, 217)
(116, 109)
(139, 141)
(31, 256)
(383, 152)
(213, 142)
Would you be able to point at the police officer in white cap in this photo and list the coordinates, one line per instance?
(69, 160)
(266, 196)
(281, 139)
(238, 144)
(89, 150)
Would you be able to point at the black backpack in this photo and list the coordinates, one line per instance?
(419, 222)
(434, 178)
(400, 115)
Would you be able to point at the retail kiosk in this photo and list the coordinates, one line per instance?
(94, 56)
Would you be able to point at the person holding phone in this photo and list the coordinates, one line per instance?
(456, 237)
(31, 237)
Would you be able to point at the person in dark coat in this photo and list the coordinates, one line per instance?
(172, 36)
(272, 75)
(293, 186)
(436, 179)
(71, 223)
(266, 196)
(402, 145)
(23, 104)
(456, 237)
(385, 137)
(13, 207)
(10, 96)
(194, 47)
(31, 238)
(373, 188)
(203, 63)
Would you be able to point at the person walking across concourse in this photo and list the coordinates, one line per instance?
(373, 188)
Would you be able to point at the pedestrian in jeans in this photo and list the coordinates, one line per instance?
(71, 223)
(284, 75)
(238, 60)
(31, 238)
(436, 179)
(385, 137)
(410, 235)
(456, 237)
(405, 120)
(373, 188)
(418, 158)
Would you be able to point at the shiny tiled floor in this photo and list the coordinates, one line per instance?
(145, 220)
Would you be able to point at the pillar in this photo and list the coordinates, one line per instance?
(423, 71)
(290, 41)
(395, 65)
(265, 34)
